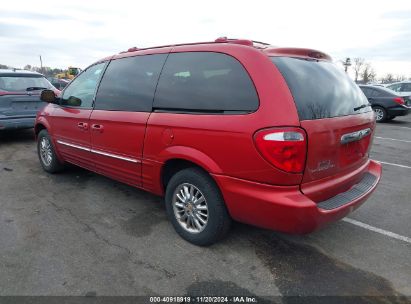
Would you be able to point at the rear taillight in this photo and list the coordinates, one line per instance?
(399, 100)
(284, 148)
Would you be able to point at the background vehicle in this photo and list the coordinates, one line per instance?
(403, 87)
(59, 84)
(232, 129)
(69, 74)
(386, 103)
(20, 97)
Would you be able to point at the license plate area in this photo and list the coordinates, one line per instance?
(352, 152)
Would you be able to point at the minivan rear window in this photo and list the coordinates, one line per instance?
(320, 89)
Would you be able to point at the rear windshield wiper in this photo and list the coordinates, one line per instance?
(362, 107)
(36, 88)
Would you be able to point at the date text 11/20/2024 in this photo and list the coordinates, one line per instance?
(204, 299)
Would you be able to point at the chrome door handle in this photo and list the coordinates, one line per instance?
(97, 127)
(82, 125)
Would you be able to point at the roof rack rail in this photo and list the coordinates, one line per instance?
(240, 41)
(218, 40)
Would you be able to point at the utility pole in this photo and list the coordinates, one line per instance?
(41, 65)
(346, 64)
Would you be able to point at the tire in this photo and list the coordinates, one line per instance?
(46, 153)
(197, 184)
(380, 114)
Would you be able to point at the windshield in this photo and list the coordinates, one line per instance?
(21, 83)
(320, 89)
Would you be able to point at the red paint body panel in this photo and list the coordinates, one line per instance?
(121, 134)
(282, 208)
(254, 190)
(343, 163)
(65, 127)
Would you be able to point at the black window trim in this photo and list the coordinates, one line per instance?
(200, 112)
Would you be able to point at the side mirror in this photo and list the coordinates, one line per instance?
(48, 96)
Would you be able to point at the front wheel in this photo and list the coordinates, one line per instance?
(196, 207)
(47, 155)
(380, 114)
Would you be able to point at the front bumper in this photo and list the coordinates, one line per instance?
(286, 208)
(17, 123)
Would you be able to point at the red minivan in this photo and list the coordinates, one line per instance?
(227, 130)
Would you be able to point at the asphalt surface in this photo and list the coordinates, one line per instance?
(78, 233)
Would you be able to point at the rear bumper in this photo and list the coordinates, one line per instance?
(398, 111)
(286, 209)
(17, 123)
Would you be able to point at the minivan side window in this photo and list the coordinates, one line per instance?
(80, 92)
(129, 83)
(205, 82)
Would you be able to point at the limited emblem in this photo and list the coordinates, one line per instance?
(323, 165)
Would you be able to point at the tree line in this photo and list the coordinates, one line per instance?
(46, 71)
(365, 73)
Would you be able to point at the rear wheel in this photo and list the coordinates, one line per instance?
(196, 207)
(380, 114)
(46, 153)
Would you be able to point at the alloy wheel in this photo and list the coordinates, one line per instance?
(46, 154)
(190, 208)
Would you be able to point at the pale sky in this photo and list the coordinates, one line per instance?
(77, 33)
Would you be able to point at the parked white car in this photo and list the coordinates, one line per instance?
(403, 87)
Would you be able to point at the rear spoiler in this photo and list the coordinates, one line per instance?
(298, 52)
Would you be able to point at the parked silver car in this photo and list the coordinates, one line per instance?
(20, 97)
(403, 87)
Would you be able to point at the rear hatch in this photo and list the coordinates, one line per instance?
(338, 122)
(20, 94)
(20, 105)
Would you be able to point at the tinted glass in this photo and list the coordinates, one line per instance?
(368, 92)
(377, 93)
(82, 89)
(406, 87)
(205, 81)
(383, 92)
(129, 83)
(320, 89)
(395, 87)
(21, 83)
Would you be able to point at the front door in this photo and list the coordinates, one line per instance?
(118, 122)
(70, 120)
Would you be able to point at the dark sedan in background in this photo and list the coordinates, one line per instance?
(20, 97)
(386, 103)
(58, 83)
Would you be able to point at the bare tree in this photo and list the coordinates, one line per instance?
(399, 78)
(358, 64)
(388, 78)
(368, 74)
(27, 67)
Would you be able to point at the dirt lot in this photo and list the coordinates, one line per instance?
(79, 233)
